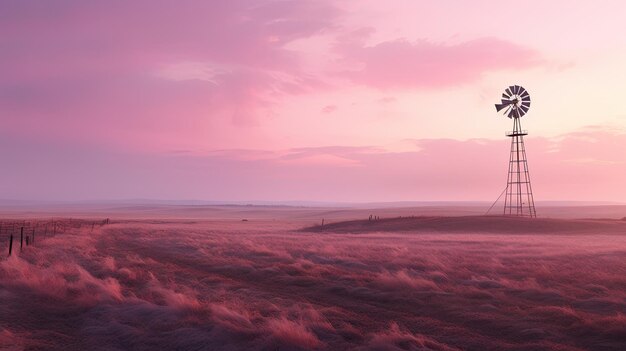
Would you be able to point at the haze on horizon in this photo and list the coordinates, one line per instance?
(307, 100)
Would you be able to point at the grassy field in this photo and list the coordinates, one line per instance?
(263, 284)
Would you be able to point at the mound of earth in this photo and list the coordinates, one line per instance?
(479, 224)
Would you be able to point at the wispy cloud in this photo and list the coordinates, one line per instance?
(401, 64)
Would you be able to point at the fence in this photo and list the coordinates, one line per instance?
(23, 232)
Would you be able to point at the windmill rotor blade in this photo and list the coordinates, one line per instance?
(512, 113)
(508, 110)
(503, 103)
(515, 102)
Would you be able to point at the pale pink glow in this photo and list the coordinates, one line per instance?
(307, 100)
(475, 171)
(402, 64)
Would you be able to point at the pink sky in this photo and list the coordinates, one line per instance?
(325, 100)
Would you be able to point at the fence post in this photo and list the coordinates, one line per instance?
(10, 244)
(21, 238)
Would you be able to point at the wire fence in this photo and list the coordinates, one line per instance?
(18, 234)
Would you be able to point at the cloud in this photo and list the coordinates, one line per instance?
(136, 73)
(328, 109)
(132, 34)
(423, 64)
(434, 169)
(142, 76)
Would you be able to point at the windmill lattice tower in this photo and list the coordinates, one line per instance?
(519, 192)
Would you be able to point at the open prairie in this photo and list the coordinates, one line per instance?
(269, 175)
(173, 282)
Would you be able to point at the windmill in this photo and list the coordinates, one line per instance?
(519, 193)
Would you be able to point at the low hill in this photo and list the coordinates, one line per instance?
(476, 224)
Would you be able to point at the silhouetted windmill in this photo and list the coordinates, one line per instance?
(519, 193)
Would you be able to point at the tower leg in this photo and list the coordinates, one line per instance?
(519, 199)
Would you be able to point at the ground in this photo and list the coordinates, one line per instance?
(265, 284)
